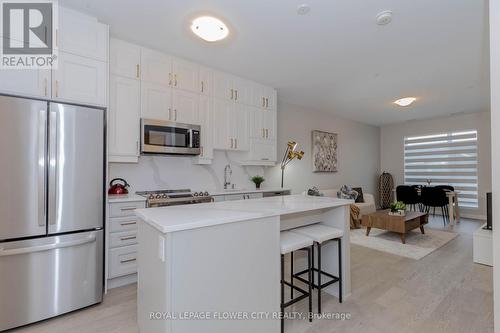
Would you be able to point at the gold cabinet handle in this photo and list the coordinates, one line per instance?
(57, 88)
(236, 95)
(175, 114)
(232, 93)
(45, 86)
(231, 143)
(267, 133)
(263, 133)
(127, 223)
(267, 102)
(263, 102)
(169, 114)
(201, 151)
(127, 260)
(202, 86)
(137, 71)
(235, 143)
(175, 80)
(127, 238)
(169, 79)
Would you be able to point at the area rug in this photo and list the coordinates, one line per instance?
(417, 245)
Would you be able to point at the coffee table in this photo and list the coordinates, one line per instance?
(400, 224)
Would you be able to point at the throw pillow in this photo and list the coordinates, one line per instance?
(360, 198)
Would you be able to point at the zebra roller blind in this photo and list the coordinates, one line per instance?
(444, 159)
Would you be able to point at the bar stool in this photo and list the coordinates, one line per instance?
(322, 234)
(290, 242)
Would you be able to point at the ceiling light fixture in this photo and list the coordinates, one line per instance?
(303, 9)
(384, 17)
(407, 101)
(209, 28)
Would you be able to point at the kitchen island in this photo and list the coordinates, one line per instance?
(215, 267)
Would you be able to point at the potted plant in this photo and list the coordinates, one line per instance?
(257, 180)
(398, 208)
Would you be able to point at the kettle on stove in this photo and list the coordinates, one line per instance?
(119, 188)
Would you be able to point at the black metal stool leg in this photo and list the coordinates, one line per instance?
(310, 274)
(312, 257)
(291, 274)
(319, 277)
(339, 240)
(282, 293)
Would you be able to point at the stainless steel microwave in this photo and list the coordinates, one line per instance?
(169, 137)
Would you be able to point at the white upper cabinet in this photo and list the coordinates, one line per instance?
(185, 75)
(124, 59)
(26, 82)
(79, 79)
(156, 67)
(243, 91)
(264, 97)
(185, 106)
(124, 119)
(82, 35)
(222, 123)
(222, 85)
(156, 101)
(269, 124)
(240, 116)
(205, 86)
(205, 119)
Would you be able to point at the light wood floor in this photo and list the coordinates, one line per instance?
(443, 292)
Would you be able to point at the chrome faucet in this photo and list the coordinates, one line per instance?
(227, 176)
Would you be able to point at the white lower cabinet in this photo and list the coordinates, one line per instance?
(79, 79)
(26, 82)
(124, 119)
(121, 243)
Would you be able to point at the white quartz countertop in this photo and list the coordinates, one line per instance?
(178, 218)
(245, 191)
(125, 198)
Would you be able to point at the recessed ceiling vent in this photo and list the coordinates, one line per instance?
(384, 18)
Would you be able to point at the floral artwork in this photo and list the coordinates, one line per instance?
(324, 151)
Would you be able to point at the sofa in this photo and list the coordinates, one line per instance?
(366, 207)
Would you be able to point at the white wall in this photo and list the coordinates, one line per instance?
(358, 151)
(176, 172)
(392, 148)
(495, 143)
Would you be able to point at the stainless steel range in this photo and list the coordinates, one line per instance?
(163, 198)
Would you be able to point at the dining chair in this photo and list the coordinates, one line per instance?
(433, 197)
(409, 195)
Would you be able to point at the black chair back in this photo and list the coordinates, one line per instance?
(434, 197)
(407, 194)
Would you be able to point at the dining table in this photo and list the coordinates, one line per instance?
(453, 207)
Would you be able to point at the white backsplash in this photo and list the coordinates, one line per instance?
(175, 172)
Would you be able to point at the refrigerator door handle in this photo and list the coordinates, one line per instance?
(42, 166)
(53, 162)
(23, 250)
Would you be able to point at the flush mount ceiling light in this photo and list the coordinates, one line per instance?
(303, 9)
(407, 101)
(209, 28)
(384, 18)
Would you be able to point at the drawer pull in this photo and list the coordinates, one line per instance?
(128, 223)
(128, 208)
(127, 260)
(128, 238)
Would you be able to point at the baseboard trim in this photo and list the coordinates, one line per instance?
(122, 281)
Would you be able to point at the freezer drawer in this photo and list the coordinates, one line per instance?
(46, 277)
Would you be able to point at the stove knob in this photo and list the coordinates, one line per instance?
(200, 194)
(164, 196)
(158, 196)
(206, 193)
(151, 196)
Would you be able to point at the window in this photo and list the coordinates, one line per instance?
(444, 159)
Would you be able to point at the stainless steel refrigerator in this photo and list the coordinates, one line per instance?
(51, 209)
